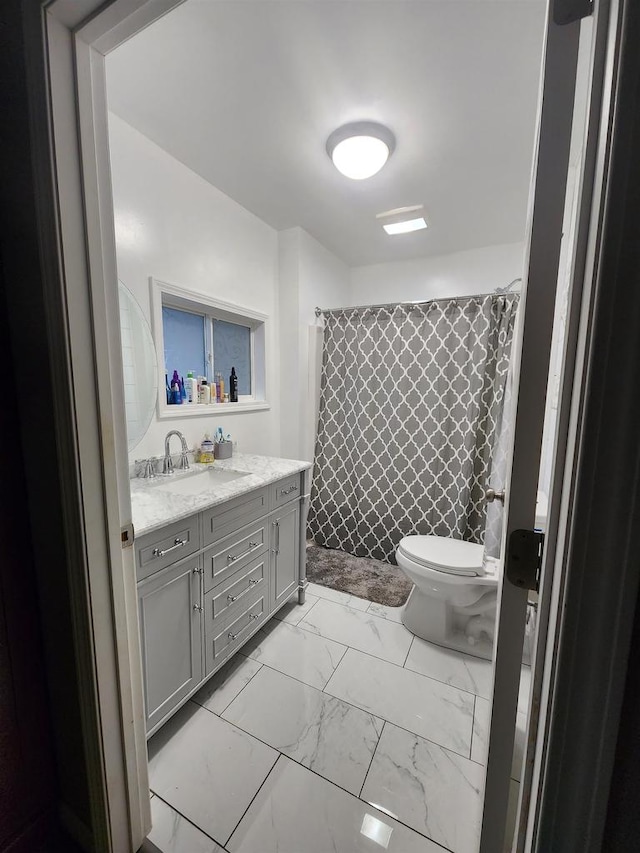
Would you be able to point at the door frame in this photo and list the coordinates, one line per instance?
(108, 633)
(585, 228)
(532, 352)
(598, 576)
(75, 35)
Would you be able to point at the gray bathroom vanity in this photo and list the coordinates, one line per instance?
(218, 551)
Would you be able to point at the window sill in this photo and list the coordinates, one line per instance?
(195, 410)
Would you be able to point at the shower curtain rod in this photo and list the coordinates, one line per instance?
(500, 291)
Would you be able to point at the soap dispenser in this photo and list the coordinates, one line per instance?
(207, 454)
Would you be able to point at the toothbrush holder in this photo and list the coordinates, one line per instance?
(223, 450)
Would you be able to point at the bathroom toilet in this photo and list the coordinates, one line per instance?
(454, 598)
(455, 594)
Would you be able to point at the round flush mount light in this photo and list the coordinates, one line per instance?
(360, 149)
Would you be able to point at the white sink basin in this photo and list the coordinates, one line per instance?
(199, 481)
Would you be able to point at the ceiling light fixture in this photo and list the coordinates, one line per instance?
(406, 227)
(360, 149)
(403, 220)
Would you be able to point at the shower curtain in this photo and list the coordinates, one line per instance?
(411, 403)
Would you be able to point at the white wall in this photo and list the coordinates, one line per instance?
(458, 274)
(176, 227)
(310, 276)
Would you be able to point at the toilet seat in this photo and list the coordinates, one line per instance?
(439, 553)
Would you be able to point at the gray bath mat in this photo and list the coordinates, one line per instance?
(361, 576)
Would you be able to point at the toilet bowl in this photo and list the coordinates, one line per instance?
(454, 598)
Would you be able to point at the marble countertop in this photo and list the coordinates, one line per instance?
(153, 508)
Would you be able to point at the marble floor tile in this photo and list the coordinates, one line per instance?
(480, 742)
(359, 630)
(422, 705)
(297, 811)
(452, 667)
(173, 833)
(337, 596)
(292, 612)
(393, 614)
(207, 769)
(321, 732)
(432, 790)
(225, 685)
(295, 652)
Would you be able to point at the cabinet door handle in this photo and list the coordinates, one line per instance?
(253, 616)
(276, 530)
(231, 558)
(198, 571)
(232, 636)
(197, 608)
(177, 543)
(288, 491)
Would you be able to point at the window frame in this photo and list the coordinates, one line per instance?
(173, 296)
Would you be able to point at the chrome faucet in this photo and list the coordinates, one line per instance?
(167, 462)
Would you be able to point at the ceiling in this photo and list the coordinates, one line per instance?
(245, 93)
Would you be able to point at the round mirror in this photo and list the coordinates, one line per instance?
(139, 367)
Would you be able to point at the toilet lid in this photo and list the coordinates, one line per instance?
(444, 554)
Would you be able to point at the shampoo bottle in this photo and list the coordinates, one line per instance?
(205, 392)
(221, 382)
(233, 386)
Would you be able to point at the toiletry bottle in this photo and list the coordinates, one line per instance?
(207, 449)
(205, 392)
(218, 397)
(183, 391)
(168, 387)
(221, 380)
(233, 386)
(176, 397)
(192, 388)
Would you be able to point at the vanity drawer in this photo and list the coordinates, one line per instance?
(231, 515)
(232, 594)
(224, 636)
(164, 547)
(285, 490)
(225, 558)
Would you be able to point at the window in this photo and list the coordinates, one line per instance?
(207, 337)
(184, 342)
(232, 348)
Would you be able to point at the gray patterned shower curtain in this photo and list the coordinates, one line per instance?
(410, 406)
